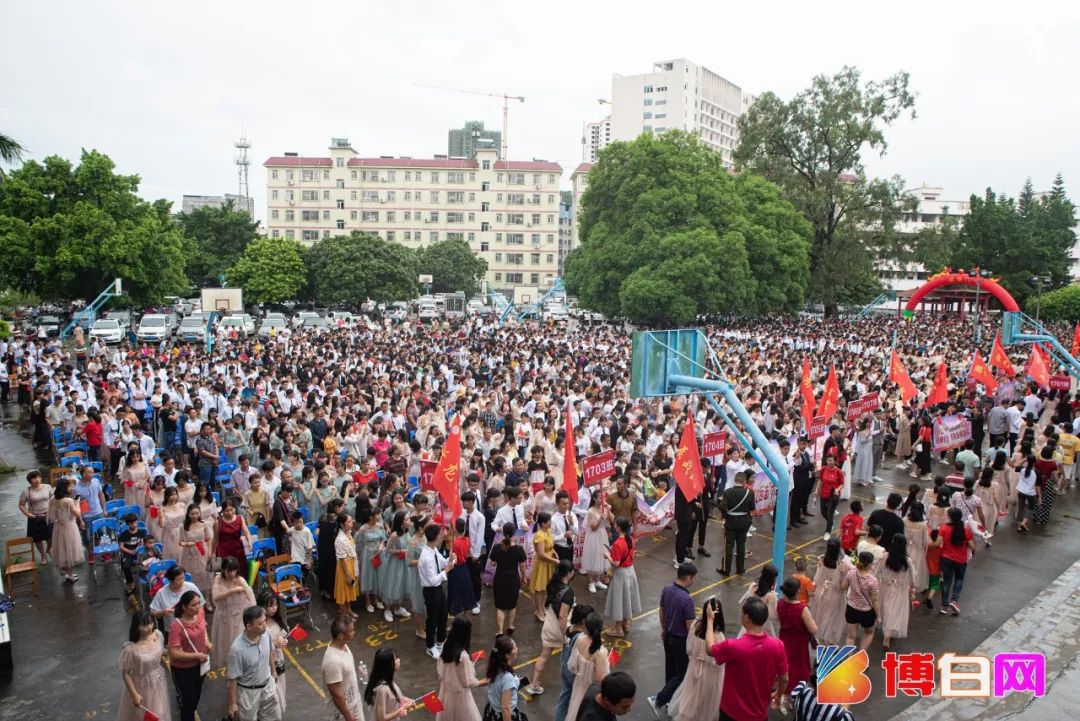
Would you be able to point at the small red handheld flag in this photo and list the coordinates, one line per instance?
(827, 405)
(431, 702)
(940, 391)
(149, 715)
(478, 656)
(376, 560)
(153, 511)
(298, 633)
(129, 484)
(613, 657)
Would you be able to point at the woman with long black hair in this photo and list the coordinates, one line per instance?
(765, 589)
(588, 662)
(623, 598)
(957, 547)
(382, 697)
(558, 600)
(502, 694)
(145, 688)
(1028, 492)
(189, 649)
(698, 696)
(897, 590)
(457, 674)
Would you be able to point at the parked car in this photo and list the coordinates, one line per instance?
(347, 319)
(234, 322)
(427, 311)
(192, 329)
(123, 317)
(153, 328)
(556, 313)
(299, 318)
(273, 322)
(248, 321)
(315, 323)
(397, 311)
(108, 330)
(50, 323)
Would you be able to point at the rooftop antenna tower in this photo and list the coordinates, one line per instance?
(243, 163)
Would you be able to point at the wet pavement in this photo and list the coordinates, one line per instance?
(66, 642)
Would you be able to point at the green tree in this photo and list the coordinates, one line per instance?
(453, 267)
(1019, 239)
(10, 152)
(270, 270)
(667, 235)
(73, 229)
(359, 266)
(1062, 304)
(216, 237)
(811, 147)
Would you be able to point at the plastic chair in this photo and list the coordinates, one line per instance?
(111, 507)
(153, 570)
(124, 510)
(217, 498)
(287, 581)
(104, 535)
(304, 513)
(97, 466)
(253, 530)
(413, 482)
(107, 489)
(71, 461)
(263, 544)
(15, 562)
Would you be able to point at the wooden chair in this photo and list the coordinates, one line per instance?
(56, 474)
(16, 551)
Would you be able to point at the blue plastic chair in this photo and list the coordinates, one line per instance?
(288, 579)
(153, 570)
(141, 526)
(70, 461)
(217, 497)
(111, 507)
(267, 544)
(104, 535)
(97, 466)
(124, 510)
(304, 513)
(413, 482)
(253, 530)
(107, 489)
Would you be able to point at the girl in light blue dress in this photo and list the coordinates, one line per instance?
(370, 543)
(392, 584)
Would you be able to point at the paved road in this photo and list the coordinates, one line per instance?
(66, 642)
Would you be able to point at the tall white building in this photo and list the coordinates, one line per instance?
(596, 137)
(506, 210)
(679, 94)
(191, 203)
(931, 211)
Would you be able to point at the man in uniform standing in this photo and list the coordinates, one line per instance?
(736, 505)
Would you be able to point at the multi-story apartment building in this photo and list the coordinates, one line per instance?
(679, 94)
(506, 210)
(192, 203)
(578, 181)
(596, 137)
(566, 227)
(463, 142)
(930, 211)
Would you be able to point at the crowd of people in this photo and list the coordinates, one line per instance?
(320, 442)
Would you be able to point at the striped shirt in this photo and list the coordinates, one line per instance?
(804, 699)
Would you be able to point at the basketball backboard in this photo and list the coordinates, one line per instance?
(658, 354)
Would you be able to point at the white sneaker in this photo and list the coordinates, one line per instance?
(433, 652)
(402, 613)
(476, 610)
(753, 527)
(601, 586)
(826, 537)
(370, 608)
(388, 616)
(379, 605)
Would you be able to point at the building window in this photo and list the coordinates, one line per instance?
(309, 195)
(472, 217)
(325, 234)
(290, 215)
(408, 235)
(498, 237)
(455, 197)
(352, 175)
(340, 183)
(326, 195)
(326, 215)
(288, 195)
(391, 196)
(370, 216)
(472, 177)
(535, 199)
(289, 174)
(339, 162)
(515, 178)
(485, 226)
(534, 278)
(646, 115)
(326, 173)
(352, 195)
(274, 214)
(370, 176)
(434, 196)
(536, 178)
(455, 236)
(369, 196)
(408, 195)
(514, 278)
(391, 176)
(648, 101)
(340, 204)
(647, 89)
(535, 238)
(536, 219)
(455, 217)
(408, 215)
(273, 173)
(551, 199)
(352, 215)
(472, 237)
(483, 246)
(434, 176)
(275, 234)
(550, 258)
(273, 194)
(391, 236)
(485, 185)
(498, 277)
(550, 238)
(498, 257)
(515, 198)
(551, 218)
(515, 239)
(310, 236)
(408, 175)
(290, 235)
(484, 207)
(515, 219)
(486, 165)
(534, 258)
(660, 115)
(472, 197)
(434, 236)
(391, 216)
(340, 224)
(433, 216)
(309, 215)
(455, 176)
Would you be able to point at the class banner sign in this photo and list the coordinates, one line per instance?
(427, 474)
(714, 444)
(818, 427)
(867, 404)
(598, 466)
(950, 432)
(1061, 383)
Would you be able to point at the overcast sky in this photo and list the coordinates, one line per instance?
(165, 88)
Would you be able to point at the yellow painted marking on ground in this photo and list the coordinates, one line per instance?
(305, 674)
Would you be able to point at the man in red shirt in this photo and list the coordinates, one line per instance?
(754, 662)
(830, 481)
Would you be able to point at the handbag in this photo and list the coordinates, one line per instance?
(213, 564)
(204, 667)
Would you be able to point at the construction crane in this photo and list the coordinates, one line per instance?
(506, 98)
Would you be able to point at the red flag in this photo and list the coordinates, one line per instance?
(807, 394)
(981, 372)
(445, 480)
(827, 407)
(376, 560)
(431, 702)
(687, 469)
(899, 375)
(1038, 368)
(153, 511)
(569, 468)
(149, 715)
(478, 656)
(298, 634)
(613, 658)
(200, 547)
(1076, 340)
(940, 393)
(999, 359)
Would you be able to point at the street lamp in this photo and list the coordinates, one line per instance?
(1038, 281)
(979, 274)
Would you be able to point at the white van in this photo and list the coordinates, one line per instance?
(153, 328)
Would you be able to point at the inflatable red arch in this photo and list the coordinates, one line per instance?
(947, 277)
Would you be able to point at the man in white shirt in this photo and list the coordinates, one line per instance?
(474, 531)
(432, 568)
(167, 469)
(511, 511)
(564, 526)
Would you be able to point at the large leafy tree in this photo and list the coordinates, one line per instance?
(361, 266)
(453, 267)
(72, 229)
(811, 147)
(10, 152)
(667, 234)
(1019, 239)
(216, 237)
(270, 270)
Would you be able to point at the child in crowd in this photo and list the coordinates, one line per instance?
(851, 527)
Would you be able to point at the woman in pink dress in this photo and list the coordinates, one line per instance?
(135, 478)
(145, 688)
(797, 629)
(827, 604)
(194, 542)
(588, 661)
(698, 696)
(170, 519)
(66, 547)
(457, 675)
(897, 591)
